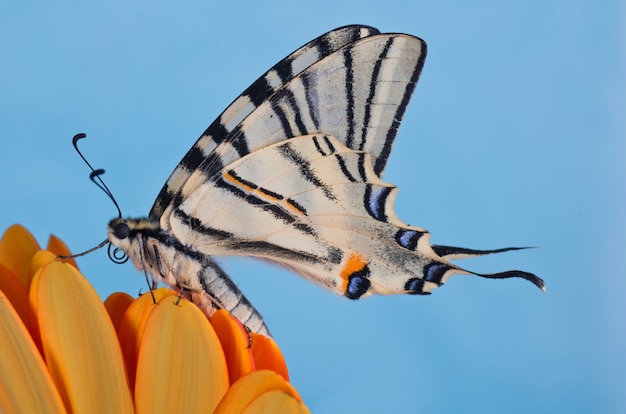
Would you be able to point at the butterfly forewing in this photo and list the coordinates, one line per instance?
(341, 95)
(253, 96)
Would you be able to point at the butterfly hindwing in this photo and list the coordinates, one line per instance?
(317, 207)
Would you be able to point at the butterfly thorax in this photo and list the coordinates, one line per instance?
(145, 244)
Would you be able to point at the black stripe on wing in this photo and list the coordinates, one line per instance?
(275, 210)
(200, 227)
(327, 149)
(306, 171)
(381, 161)
(347, 56)
(295, 112)
(373, 85)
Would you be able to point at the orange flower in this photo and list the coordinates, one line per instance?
(63, 350)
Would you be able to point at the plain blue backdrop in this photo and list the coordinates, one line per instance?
(516, 135)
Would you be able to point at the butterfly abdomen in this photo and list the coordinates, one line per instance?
(192, 273)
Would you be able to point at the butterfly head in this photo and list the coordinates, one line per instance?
(123, 232)
(120, 234)
(127, 234)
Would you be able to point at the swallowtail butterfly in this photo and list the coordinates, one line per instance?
(291, 172)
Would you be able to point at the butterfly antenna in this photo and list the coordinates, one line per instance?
(94, 176)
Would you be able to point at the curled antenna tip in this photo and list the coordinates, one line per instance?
(117, 255)
(77, 137)
(96, 173)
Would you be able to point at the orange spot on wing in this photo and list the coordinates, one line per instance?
(354, 263)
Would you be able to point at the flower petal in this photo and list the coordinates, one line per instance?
(25, 384)
(181, 365)
(40, 259)
(15, 292)
(17, 247)
(79, 342)
(276, 402)
(267, 355)
(116, 305)
(235, 342)
(248, 388)
(131, 328)
(56, 246)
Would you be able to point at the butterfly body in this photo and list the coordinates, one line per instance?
(194, 274)
(291, 173)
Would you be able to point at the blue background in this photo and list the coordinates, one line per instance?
(516, 135)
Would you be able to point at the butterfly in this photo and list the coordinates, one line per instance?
(291, 173)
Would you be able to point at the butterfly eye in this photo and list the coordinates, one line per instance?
(121, 231)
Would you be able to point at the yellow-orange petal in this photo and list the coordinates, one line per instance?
(276, 402)
(56, 246)
(17, 247)
(15, 292)
(40, 259)
(79, 342)
(131, 328)
(181, 366)
(116, 305)
(25, 384)
(248, 388)
(235, 342)
(267, 355)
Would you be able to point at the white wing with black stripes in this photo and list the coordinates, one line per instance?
(291, 173)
